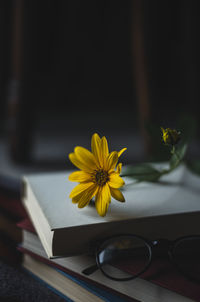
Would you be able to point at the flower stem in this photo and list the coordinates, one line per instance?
(173, 150)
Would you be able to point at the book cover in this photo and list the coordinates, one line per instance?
(168, 209)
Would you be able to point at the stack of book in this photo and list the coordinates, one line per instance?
(57, 236)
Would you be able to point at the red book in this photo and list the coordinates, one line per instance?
(26, 224)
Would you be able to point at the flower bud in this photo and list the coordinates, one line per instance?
(170, 136)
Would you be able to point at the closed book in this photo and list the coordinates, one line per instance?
(67, 285)
(162, 282)
(169, 208)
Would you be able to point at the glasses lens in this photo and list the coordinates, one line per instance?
(124, 257)
(186, 254)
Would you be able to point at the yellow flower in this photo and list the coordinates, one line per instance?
(170, 136)
(98, 175)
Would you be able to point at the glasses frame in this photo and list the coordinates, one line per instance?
(151, 244)
(172, 257)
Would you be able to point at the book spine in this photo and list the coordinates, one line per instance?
(104, 295)
(49, 286)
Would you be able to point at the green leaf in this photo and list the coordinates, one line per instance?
(142, 172)
(194, 166)
(178, 155)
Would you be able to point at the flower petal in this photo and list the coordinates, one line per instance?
(104, 150)
(78, 163)
(96, 148)
(80, 176)
(102, 200)
(86, 157)
(104, 147)
(121, 151)
(75, 199)
(86, 196)
(115, 181)
(117, 194)
(112, 160)
(119, 168)
(80, 188)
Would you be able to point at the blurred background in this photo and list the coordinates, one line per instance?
(72, 68)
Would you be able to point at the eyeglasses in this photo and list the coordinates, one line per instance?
(125, 257)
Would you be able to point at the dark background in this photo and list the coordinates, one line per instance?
(72, 68)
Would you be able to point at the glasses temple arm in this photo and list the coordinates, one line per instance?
(90, 270)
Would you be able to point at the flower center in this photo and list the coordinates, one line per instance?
(101, 177)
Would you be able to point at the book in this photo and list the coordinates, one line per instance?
(67, 285)
(167, 209)
(160, 283)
